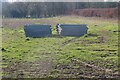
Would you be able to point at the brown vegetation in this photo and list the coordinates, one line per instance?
(97, 12)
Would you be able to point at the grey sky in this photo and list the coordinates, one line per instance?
(58, 0)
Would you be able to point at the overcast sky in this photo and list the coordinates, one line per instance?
(57, 0)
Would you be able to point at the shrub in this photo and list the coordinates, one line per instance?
(97, 12)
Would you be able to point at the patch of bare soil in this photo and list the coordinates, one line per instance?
(38, 69)
(45, 68)
(77, 69)
(69, 41)
(14, 23)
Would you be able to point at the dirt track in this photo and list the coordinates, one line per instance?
(38, 69)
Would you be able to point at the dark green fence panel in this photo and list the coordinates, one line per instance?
(72, 29)
(37, 31)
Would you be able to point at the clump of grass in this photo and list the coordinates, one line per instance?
(86, 35)
(3, 49)
(27, 39)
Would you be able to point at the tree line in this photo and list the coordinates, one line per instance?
(48, 9)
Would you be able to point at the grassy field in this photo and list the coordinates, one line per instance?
(93, 55)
